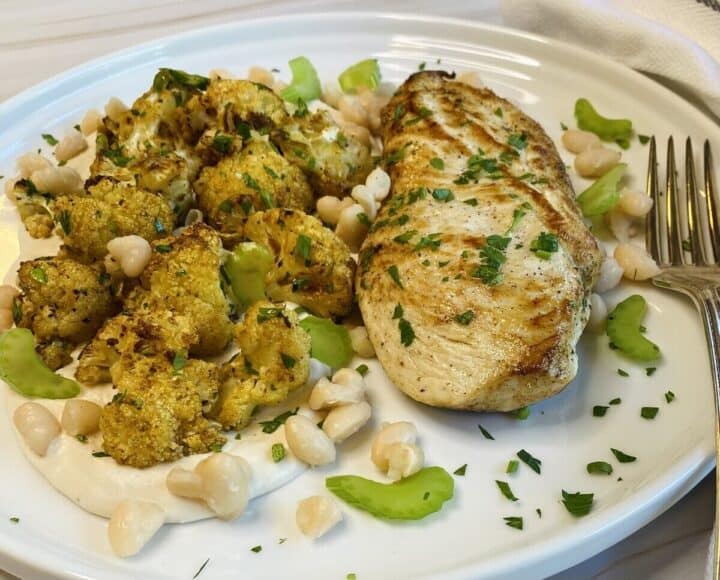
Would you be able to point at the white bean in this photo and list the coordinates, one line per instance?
(349, 228)
(635, 262)
(378, 181)
(329, 208)
(361, 342)
(577, 141)
(610, 275)
(341, 422)
(598, 313)
(317, 515)
(7, 295)
(308, 442)
(80, 417)
(70, 145)
(620, 224)
(398, 432)
(222, 481)
(635, 203)
(258, 74)
(366, 198)
(91, 122)
(6, 319)
(37, 425)
(132, 524)
(596, 162)
(331, 94)
(348, 377)
(29, 163)
(404, 459)
(115, 108)
(326, 394)
(133, 253)
(352, 110)
(470, 77)
(58, 180)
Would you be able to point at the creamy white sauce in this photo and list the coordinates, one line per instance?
(98, 484)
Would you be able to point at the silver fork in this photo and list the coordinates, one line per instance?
(682, 234)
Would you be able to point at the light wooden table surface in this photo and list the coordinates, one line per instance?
(39, 39)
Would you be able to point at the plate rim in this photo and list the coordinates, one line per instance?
(557, 553)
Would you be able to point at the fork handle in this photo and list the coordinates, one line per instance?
(708, 302)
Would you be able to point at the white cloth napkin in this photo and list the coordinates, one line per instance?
(676, 41)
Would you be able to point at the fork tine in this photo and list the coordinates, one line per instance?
(712, 202)
(655, 225)
(677, 256)
(697, 232)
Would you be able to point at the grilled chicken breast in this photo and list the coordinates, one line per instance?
(473, 281)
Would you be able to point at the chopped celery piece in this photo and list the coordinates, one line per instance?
(411, 498)
(588, 119)
(305, 85)
(25, 371)
(246, 268)
(602, 195)
(364, 74)
(330, 342)
(624, 327)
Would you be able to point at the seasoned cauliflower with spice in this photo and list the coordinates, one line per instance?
(184, 276)
(257, 178)
(64, 303)
(157, 413)
(108, 210)
(274, 359)
(146, 331)
(313, 267)
(332, 161)
(33, 208)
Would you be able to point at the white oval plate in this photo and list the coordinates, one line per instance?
(468, 538)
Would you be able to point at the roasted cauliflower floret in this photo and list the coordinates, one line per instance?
(63, 302)
(313, 267)
(156, 415)
(33, 208)
(257, 178)
(274, 359)
(184, 276)
(240, 105)
(108, 210)
(332, 161)
(147, 332)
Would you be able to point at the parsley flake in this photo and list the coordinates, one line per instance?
(407, 334)
(461, 470)
(622, 457)
(395, 275)
(512, 466)
(669, 396)
(649, 412)
(599, 467)
(504, 488)
(578, 504)
(50, 140)
(274, 424)
(362, 369)
(256, 549)
(465, 318)
(485, 432)
(437, 163)
(599, 410)
(514, 522)
(277, 451)
(532, 462)
(205, 563)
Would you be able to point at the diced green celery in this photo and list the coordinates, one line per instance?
(602, 195)
(412, 498)
(588, 119)
(330, 342)
(246, 268)
(364, 74)
(305, 85)
(624, 329)
(25, 371)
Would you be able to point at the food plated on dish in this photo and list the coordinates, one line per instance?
(178, 300)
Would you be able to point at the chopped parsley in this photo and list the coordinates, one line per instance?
(271, 172)
(363, 219)
(649, 412)
(64, 221)
(430, 241)
(623, 373)
(256, 549)
(265, 314)
(504, 488)
(518, 141)
(522, 413)
(643, 139)
(100, 454)
(277, 451)
(477, 166)
(179, 362)
(461, 470)
(512, 466)
(81, 437)
(532, 462)
(599, 467)
(216, 447)
(15, 520)
(397, 155)
(518, 214)
(362, 369)
(39, 275)
(563, 126)
(159, 227)
(437, 163)
(163, 248)
(485, 432)
(221, 143)
(472, 202)
(288, 361)
(669, 396)
(274, 424)
(225, 206)
(303, 246)
(544, 245)
(398, 112)
(514, 522)
(405, 237)
(499, 112)
(538, 511)
(443, 194)
(421, 66)
(407, 334)
(650, 371)
(615, 401)
(622, 457)
(465, 318)
(395, 275)
(49, 139)
(423, 113)
(578, 504)
(599, 410)
(492, 257)
(398, 312)
(205, 563)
